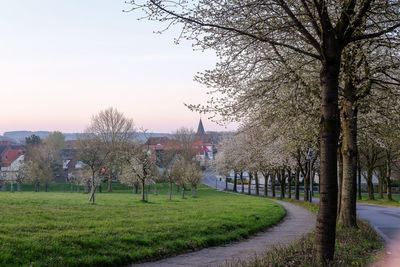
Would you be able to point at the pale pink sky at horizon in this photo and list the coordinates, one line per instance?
(64, 61)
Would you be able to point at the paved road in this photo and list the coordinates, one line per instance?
(296, 223)
(386, 220)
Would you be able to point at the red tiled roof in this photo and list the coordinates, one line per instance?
(9, 155)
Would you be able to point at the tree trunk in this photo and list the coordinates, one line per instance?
(388, 174)
(92, 189)
(109, 189)
(359, 176)
(170, 191)
(325, 231)
(37, 187)
(273, 185)
(282, 182)
(226, 183)
(257, 183)
(266, 177)
(306, 181)
(249, 184)
(143, 190)
(381, 177)
(183, 191)
(46, 188)
(296, 184)
(100, 188)
(71, 187)
(12, 187)
(348, 188)
(19, 189)
(370, 184)
(235, 182)
(78, 188)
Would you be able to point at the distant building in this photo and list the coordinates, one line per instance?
(10, 172)
(203, 146)
(9, 154)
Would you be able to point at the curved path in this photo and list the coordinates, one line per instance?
(296, 223)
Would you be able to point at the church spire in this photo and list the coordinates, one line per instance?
(200, 129)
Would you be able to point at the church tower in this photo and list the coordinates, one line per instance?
(200, 129)
(201, 135)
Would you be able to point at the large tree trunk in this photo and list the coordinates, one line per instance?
(348, 116)
(388, 174)
(325, 231)
(19, 189)
(109, 189)
(235, 181)
(296, 184)
(257, 183)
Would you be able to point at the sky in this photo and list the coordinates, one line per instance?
(63, 61)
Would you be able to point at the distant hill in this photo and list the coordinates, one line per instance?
(20, 136)
(5, 138)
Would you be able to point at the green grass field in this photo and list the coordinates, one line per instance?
(60, 228)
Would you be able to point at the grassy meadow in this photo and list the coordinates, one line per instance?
(60, 228)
